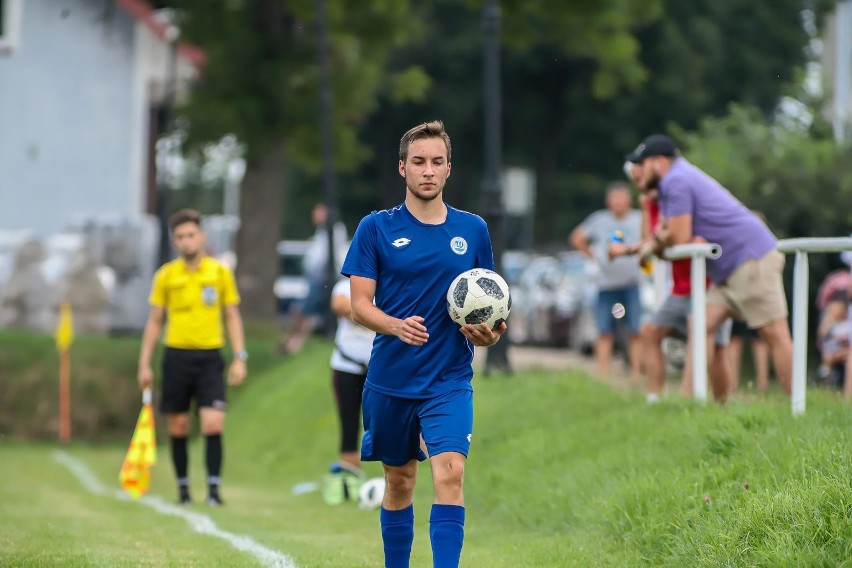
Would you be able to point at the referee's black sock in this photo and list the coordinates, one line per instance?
(179, 459)
(214, 461)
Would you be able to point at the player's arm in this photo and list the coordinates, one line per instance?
(679, 207)
(645, 208)
(236, 337)
(150, 335)
(341, 305)
(646, 247)
(409, 330)
(676, 231)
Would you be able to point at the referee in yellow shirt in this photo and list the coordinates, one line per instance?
(191, 293)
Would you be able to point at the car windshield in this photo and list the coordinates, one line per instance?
(290, 265)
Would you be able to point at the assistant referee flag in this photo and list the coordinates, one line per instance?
(135, 476)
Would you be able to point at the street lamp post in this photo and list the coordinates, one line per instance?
(497, 355)
(164, 125)
(329, 189)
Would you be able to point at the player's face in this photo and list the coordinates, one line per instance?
(651, 173)
(426, 168)
(636, 172)
(188, 239)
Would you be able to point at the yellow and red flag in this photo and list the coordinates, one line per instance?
(135, 476)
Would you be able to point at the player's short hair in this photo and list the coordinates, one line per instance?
(431, 129)
(182, 216)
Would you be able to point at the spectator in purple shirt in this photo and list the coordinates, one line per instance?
(747, 277)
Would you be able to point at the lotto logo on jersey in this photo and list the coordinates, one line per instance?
(401, 242)
(459, 245)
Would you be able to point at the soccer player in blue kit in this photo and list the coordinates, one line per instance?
(400, 264)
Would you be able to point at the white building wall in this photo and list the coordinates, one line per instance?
(70, 117)
(843, 72)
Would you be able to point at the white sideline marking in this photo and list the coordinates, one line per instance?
(200, 523)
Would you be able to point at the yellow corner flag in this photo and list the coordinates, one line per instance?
(65, 329)
(142, 453)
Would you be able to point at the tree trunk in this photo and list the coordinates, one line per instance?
(260, 230)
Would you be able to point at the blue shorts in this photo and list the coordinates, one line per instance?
(392, 426)
(627, 297)
(313, 304)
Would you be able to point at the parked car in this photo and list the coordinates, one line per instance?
(514, 262)
(291, 285)
(554, 301)
(533, 298)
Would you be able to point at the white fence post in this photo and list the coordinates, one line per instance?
(801, 247)
(800, 333)
(699, 328)
(698, 252)
(661, 282)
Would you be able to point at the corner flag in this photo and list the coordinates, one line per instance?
(65, 329)
(142, 453)
(64, 336)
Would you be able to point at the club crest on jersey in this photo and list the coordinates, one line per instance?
(208, 295)
(401, 242)
(459, 245)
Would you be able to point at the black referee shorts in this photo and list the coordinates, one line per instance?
(192, 373)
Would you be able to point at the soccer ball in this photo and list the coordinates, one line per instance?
(371, 493)
(479, 296)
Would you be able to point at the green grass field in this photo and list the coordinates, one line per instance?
(564, 471)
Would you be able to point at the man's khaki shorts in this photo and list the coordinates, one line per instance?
(755, 291)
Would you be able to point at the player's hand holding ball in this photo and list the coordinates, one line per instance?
(482, 335)
(479, 301)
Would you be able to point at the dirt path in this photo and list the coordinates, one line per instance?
(556, 359)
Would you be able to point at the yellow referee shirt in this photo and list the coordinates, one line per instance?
(193, 300)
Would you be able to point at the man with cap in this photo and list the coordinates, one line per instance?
(672, 315)
(747, 276)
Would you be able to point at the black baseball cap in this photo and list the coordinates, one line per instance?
(653, 145)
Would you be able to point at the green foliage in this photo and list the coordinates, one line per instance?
(104, 391)
(582, 82)
(261, 80)
(599, 31)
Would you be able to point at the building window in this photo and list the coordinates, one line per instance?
(10, 24)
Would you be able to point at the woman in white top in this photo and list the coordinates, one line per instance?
(353, 344)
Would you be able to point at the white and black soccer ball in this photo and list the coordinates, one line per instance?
(371, 493)
(479, 296)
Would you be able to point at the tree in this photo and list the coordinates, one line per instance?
(261, 83)
(583, 82)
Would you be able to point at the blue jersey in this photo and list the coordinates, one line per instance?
(413, 265)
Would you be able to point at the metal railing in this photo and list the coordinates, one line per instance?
(801, 248)
(699, 253)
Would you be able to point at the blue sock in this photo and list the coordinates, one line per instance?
(397, 535)
(446, 529)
